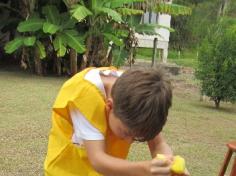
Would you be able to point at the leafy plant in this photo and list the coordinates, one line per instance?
(217, 63)
(115, 22)
(59, 27)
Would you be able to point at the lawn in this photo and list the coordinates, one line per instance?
(187, 58)
(194, 130)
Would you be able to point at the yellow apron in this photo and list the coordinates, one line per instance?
(63, 157)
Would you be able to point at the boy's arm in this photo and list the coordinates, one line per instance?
(159, 145)
(108, 165)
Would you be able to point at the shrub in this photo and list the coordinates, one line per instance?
(217, 63)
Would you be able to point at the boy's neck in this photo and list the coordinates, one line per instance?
(108, 82)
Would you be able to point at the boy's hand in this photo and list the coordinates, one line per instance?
(186, 173)
(160, 167)
(178, 167)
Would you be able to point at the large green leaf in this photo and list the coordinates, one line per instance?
(151, 29)
(165, 27)
(94, 4)
(74, 40)
(67, 22)
(13, 45)
(112, 13)
(128, 11)
(52, 14)
(67, 3)
(41, 50)
(120, 3)
(173, 9)
(31, 25)
(148, 29)
(114, 39)
(29, 41)
(80, 12)
(119, 56)
(59, 46)
(122, 32)
(134, 20)
(50, 28)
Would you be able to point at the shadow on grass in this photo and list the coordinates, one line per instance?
(16, 71)
(224, 107)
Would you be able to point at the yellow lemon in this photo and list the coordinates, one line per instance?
(178, 165)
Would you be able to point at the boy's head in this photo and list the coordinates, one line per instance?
(141, 99)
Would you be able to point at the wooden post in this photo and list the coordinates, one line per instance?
(37, 62)
(154, 52)
(58, 66)
(73, 62)
(131, 57)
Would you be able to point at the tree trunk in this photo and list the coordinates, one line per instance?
(109, 59)
(131, 52)
(73, 62)
(37, 63)
(25, 63)
(96, 54)
(82, 62)
(223, 7)
(58, 65)
(217, 102)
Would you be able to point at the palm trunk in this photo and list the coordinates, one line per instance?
(223, 7)
(25, 63)
(96, 53)
(73, 62)
(37, 63)
(58, 65)
(131, 52)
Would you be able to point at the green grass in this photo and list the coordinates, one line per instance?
(187, 58)
(194, 130)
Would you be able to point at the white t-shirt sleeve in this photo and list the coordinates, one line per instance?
(83, 129)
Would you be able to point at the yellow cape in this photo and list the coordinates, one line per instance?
(63, 157)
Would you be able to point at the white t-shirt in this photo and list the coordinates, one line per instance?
(83, 129)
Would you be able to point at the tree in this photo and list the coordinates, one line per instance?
(217, 63)
(191, 30)
(100, 30)
(53, 28)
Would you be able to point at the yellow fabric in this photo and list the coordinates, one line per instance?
(63, 157)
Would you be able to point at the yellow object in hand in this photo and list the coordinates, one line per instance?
(178, 165)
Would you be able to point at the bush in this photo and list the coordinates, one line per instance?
(217, 64)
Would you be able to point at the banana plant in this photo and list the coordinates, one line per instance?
(115, 22)
(173, 9)
(60, 28)
(103, 18)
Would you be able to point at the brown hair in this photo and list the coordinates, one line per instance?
(141, 101)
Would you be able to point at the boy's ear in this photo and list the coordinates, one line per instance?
(109, 104)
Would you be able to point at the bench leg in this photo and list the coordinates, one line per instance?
(233, 171)
(226, 162)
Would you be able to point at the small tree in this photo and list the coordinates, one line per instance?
(217, 63)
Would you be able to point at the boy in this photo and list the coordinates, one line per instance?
(97, 115)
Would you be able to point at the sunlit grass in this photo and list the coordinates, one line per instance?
(187, 58)
(194, 129)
